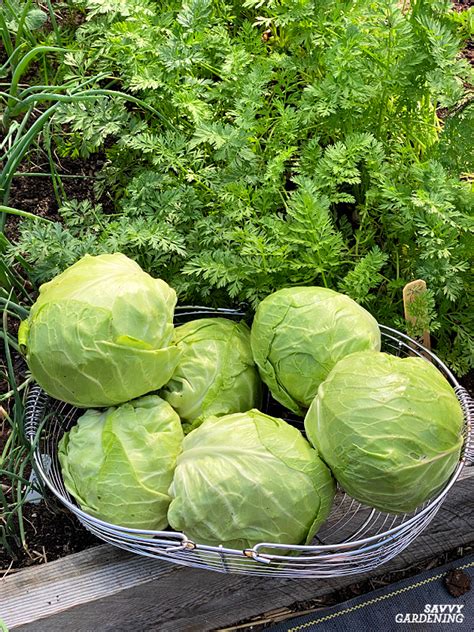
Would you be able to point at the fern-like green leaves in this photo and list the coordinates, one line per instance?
(299, 144)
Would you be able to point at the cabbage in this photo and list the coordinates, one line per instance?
(118, 463)
(247, 478)
(299, 334)
(216, 374)
(389, 428)
(100, 333)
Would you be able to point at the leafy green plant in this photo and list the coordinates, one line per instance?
(454, 149)
(19, 21)
(269, 145)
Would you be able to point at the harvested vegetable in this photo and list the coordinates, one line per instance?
(389, 428)
(299, 334)
(118, 463)
(216, 374)
(100, 333)
(248, 478)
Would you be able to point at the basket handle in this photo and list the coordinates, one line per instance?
(34, 411)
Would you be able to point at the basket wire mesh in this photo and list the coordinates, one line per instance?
(354, 539)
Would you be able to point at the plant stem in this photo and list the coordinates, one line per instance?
(14, 211)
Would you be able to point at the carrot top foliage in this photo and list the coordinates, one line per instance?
(287, 142)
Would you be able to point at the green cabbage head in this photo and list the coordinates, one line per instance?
(216, 374)
(298, 335)
(389, 428)
(100, 333)
(247, 478)
(118, 463)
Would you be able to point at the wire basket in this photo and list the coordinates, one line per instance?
(353, 540)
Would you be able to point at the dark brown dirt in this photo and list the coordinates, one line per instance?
(51, 532)
(35, 194)
(462, 5)
(468, 382)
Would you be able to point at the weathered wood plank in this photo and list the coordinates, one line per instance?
(179, 599)
(79, 578)
(411, 292)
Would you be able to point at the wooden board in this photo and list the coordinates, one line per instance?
(410, 292)
(105, 589)
(76, 579)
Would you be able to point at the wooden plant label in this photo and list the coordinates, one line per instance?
(411, 291)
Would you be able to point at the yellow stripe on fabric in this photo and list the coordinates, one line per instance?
(372, 601)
